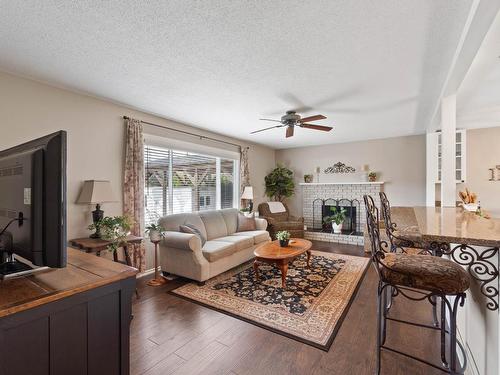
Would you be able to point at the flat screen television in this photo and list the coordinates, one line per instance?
(33, 205)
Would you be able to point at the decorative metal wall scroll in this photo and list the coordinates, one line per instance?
(493, 170)
(340, 168)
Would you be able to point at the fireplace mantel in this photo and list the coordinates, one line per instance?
(342, 183)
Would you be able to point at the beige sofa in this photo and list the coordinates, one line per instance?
(182, 254)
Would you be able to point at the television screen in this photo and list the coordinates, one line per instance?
(33, 200)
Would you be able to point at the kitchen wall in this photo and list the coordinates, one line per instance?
(31, 109)
(483, 152)
(400, 162)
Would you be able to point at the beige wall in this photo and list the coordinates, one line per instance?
(95, 129)
(483, 152)
(400, 162)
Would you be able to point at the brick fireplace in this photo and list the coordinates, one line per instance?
(318, 197)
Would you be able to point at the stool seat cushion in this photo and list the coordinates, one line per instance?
(415, 251)
(425, 272)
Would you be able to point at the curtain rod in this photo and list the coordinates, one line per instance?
(188, 133)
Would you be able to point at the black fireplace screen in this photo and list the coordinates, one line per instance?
(323, 208)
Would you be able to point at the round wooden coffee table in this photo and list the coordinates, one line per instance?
(273, 253)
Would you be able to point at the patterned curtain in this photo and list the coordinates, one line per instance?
(133, 186)
(244, 171)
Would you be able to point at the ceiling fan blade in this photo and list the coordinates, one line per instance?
(268, 119)
(313, 118)
(289, 131)
(271, 127)
(316, 127)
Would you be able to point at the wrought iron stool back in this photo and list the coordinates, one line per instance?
(387, 288)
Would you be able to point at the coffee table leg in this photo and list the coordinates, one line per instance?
(283, 266)
(256, 269)
(308, 258)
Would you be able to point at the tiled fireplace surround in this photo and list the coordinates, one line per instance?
(337, 190)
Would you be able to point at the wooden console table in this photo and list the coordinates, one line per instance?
(73, 320)
(96, 245)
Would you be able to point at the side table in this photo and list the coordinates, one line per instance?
(96, 245)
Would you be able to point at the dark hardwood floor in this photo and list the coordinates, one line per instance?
(170, 335)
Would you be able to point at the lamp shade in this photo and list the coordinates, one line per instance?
(96, 191)
(247, 193)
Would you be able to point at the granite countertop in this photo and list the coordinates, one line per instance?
(455, 225)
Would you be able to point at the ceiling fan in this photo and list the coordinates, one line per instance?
(291, 119)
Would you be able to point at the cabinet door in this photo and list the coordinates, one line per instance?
(24, 348)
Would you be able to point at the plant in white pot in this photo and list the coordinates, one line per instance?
(336, 219)
(155, 232)
(283, 237)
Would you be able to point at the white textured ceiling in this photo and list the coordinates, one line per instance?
(374, 68)
(478, 99)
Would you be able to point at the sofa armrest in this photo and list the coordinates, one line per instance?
(260, 223)
(184, 241)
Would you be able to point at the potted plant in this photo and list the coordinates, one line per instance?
(372, 176)
(336, 219)
(279, 183)
(114, 229)
(155, 232)
(284, 237)
(308, 178)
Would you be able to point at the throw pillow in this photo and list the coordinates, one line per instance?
(246, 223)
(188, 228)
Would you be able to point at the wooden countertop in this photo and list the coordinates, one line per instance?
(450, 225)
(83, 272)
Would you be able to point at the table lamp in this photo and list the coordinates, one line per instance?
(248, 194)
(96, 192)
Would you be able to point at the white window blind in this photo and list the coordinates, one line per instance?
(179, 181)
(156, 174)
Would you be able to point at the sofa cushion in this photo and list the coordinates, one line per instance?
(231, 218)
(241, 242)
(173, 222)
(215, 250)
(215, 224)
(257, 235)
(246, 223)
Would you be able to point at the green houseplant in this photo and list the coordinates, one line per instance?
(284, 237)
(279, 183)
(372, 176)
(155, 231)
(336, 219)
(114, 229)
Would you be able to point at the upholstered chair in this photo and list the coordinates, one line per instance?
(278, 218)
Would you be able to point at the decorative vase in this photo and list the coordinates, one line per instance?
(284, 243)
(154, 236)
(336, 228)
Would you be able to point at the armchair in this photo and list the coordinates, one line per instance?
(278, 221)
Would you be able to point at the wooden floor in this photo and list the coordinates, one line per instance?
(173, 336)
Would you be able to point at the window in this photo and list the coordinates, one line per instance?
(180, 181)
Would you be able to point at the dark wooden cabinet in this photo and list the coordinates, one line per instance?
(82, 332)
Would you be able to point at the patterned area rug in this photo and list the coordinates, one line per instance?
(311, 307)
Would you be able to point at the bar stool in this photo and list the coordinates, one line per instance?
(417, 278)
(405, 240)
